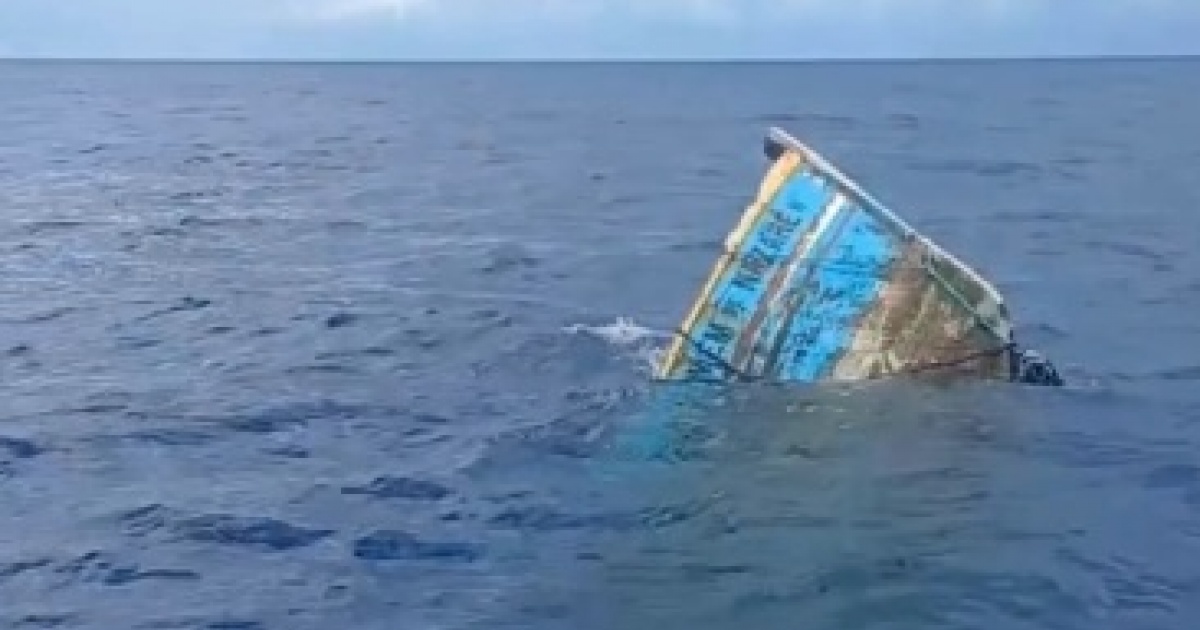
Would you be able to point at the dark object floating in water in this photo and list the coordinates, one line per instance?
(820, 281)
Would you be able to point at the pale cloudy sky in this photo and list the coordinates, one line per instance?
(485, 29)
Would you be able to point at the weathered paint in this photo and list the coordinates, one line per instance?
(785, 205)
(843, 285)
(819, 280)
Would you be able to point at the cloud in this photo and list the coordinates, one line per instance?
(735, 10)
(403, 29)
(792, 28)
(339, 10)
(534, 10)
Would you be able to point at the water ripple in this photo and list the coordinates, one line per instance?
(367, 346)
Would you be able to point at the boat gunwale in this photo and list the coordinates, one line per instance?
(876, 207)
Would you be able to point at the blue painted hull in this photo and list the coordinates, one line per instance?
(820, 281)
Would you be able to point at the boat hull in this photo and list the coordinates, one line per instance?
(820, 281)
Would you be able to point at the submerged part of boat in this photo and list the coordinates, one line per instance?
(820, 281)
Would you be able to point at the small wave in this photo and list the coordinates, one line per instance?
(111, 570)
(622, 332)
(224, 529)
(38, 228)
(390, 487)
(40, 620)
(18, 567)
(981, 167)
(541, 517)
(509, 257)
(1132, 250)
(17, 448)
(187, 303)
(815, 118)
(390, 544)
(626, 333)
(1184, 373)
(1037, 217)
(697, 245)
(1174, 477)
(904, 121)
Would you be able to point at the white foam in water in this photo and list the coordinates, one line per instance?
(626, 333)
(623, 332)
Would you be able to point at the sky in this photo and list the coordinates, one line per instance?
(595, 29)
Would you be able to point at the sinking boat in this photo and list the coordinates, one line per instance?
(820, 281)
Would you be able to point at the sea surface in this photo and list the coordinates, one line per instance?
(300, 347)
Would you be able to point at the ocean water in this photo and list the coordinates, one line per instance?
(366, 346)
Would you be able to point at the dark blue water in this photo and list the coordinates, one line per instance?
(299, 347)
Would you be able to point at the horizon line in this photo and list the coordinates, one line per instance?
(595, 60)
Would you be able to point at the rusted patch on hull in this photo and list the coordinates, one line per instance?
(856, 295)
(917, 324)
